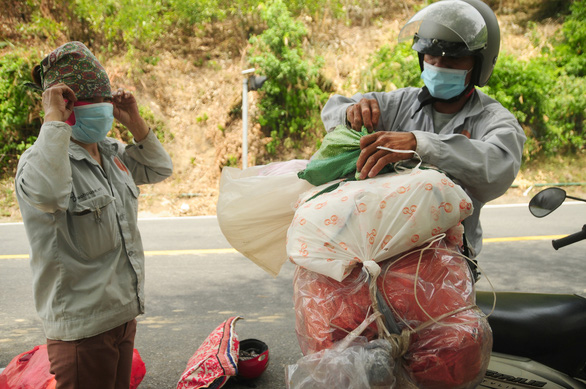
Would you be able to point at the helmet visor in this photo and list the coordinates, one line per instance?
(450, 21)
(439, 48)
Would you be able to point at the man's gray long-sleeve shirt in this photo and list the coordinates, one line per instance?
(480, 147)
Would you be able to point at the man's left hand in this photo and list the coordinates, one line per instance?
(372, 159)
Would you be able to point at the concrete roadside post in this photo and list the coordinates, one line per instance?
(248, 83)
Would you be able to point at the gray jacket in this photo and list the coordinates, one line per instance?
(480, 147)
(87, 258)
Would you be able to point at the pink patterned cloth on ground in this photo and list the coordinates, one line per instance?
(215, 361)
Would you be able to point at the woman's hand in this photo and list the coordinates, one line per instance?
(372, 159)
(126, 112)
(58, 103)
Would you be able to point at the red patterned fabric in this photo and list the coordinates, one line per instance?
(215, 361)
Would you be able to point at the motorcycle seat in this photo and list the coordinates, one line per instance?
(547, 328)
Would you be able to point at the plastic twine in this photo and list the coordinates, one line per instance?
(401, 342)
(398, 164)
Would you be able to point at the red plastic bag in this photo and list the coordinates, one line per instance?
(30, 370)
(452, 354)
(138, 370)
(327, 310)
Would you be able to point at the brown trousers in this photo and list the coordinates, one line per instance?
(103, 361)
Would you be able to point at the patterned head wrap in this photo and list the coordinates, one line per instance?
(75, 66)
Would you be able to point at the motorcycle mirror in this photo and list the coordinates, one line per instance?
(546, 201)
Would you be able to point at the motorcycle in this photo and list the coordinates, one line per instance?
(539, 340)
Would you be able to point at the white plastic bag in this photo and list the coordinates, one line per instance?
(255, 209)
(373, 219)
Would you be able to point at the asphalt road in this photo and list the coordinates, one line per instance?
(195, 281)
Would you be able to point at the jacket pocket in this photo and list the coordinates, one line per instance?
(134, 191)
(95, 226)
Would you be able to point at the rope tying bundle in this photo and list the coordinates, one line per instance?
(401, 341)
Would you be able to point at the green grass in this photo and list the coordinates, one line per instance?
(569, 168)
(569, 171)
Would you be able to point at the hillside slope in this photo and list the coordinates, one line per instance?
(195, 88)
(185, 95)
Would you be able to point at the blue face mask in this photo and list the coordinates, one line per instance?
(92, 122)
(444, 83)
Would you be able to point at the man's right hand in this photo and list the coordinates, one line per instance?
(58, 103)
(365, 113)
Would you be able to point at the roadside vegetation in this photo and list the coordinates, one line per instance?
(183, 58)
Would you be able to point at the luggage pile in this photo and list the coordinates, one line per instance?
(383, 296)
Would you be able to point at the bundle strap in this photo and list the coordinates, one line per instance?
(373, 270)
(385, 320)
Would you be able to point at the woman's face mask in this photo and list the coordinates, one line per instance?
(444, 83)
(92, 122)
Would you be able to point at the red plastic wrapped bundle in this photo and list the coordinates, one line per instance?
(327, 310)
(453, 353)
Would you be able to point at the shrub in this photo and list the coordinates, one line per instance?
(549, 103)
(571, 52)
(391, 68)
(131, 22)
(19, 107)
(566, 115)
(293, 95)
(520, 87)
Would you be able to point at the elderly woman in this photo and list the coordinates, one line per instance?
(77, 192)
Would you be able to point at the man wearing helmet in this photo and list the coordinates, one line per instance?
(448, 123)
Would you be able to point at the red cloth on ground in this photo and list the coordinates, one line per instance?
(216, 359)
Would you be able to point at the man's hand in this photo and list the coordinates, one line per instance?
(365, 113)
(126, 112)
(58, 103)
(372, 159)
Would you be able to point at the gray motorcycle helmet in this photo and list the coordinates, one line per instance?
(456, 28)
